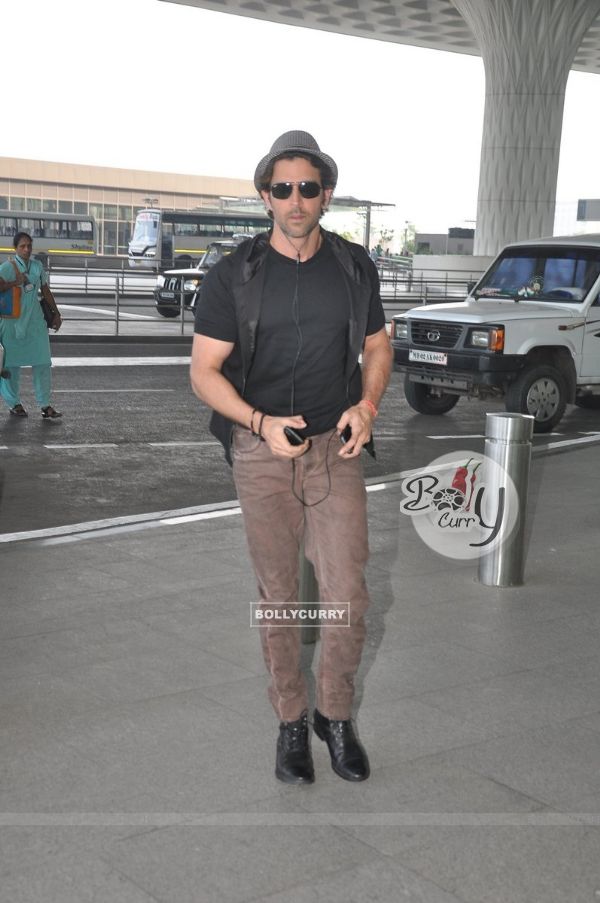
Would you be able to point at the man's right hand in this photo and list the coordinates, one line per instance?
(272, 433)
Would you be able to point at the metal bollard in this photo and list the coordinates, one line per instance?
(117, 305)
(508, 444)
(308, 597)
(182, 306)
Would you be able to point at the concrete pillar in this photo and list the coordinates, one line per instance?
(528, 47)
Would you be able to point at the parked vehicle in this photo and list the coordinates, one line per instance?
(528, 332)
(62, 239)
(179, 238)
(172, 285)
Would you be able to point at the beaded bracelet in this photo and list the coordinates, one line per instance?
(252, 430)
(260, 423)
(370, 406)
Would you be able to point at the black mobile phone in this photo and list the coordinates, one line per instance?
(346, 434)
(292, 436)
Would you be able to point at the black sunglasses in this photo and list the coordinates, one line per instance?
(283, 190)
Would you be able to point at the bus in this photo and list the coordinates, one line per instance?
(58, 238)
(178, 238)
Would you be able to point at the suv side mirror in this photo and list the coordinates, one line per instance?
(471, 285)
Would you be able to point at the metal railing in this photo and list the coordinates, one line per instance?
(424, 286)
(114, 288)
(119, 284)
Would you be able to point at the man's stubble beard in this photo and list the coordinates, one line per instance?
(299, 230)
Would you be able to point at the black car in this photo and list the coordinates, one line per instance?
(173, 285)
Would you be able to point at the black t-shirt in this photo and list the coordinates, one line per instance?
(301, 340)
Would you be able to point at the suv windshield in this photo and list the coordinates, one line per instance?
(542, 274)
(214, 253)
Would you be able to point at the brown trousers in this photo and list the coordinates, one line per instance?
(335, 541)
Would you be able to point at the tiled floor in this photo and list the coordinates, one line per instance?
(137, 744)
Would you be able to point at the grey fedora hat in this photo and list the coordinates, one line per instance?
(301, 142)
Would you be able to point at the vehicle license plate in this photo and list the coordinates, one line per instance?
(428, 357)
(167, 294)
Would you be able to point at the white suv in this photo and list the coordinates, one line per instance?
(528, 331)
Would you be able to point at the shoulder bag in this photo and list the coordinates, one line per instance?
(47, 311)
(10, 299)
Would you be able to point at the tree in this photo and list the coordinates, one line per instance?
(386, 237)
(409, 245)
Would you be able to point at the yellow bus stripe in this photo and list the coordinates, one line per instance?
(11, 250)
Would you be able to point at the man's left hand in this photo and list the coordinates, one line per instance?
(360, 420)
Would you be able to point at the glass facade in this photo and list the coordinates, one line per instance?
(114, 209)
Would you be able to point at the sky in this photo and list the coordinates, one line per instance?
(148, 85)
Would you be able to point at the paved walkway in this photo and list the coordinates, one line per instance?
(137, 744)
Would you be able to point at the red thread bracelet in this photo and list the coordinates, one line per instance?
(370, 406)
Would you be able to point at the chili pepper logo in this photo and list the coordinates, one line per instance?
(454, 497)
(459, 480)
(472, 481)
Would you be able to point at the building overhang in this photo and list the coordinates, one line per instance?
(433, 24)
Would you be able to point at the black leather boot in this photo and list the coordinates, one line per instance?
(294, 764)
(348, 757)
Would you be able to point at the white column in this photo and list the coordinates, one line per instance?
(528, 47)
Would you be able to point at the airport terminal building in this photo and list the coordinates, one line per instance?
(112, 196)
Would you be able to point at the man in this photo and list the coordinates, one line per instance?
(279, 330)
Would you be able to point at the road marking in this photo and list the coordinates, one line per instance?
(85, 445)
(181, 444)
(207, 515)
(566, 443)
(209, 443)
(118, 361)
(73, 532)
(379, 438)
(477, 436)
(109, 312)
(104, 391)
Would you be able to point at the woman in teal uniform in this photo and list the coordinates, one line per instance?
(25, 339)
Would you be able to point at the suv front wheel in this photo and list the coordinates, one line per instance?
(541, 391)
(426, 399)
